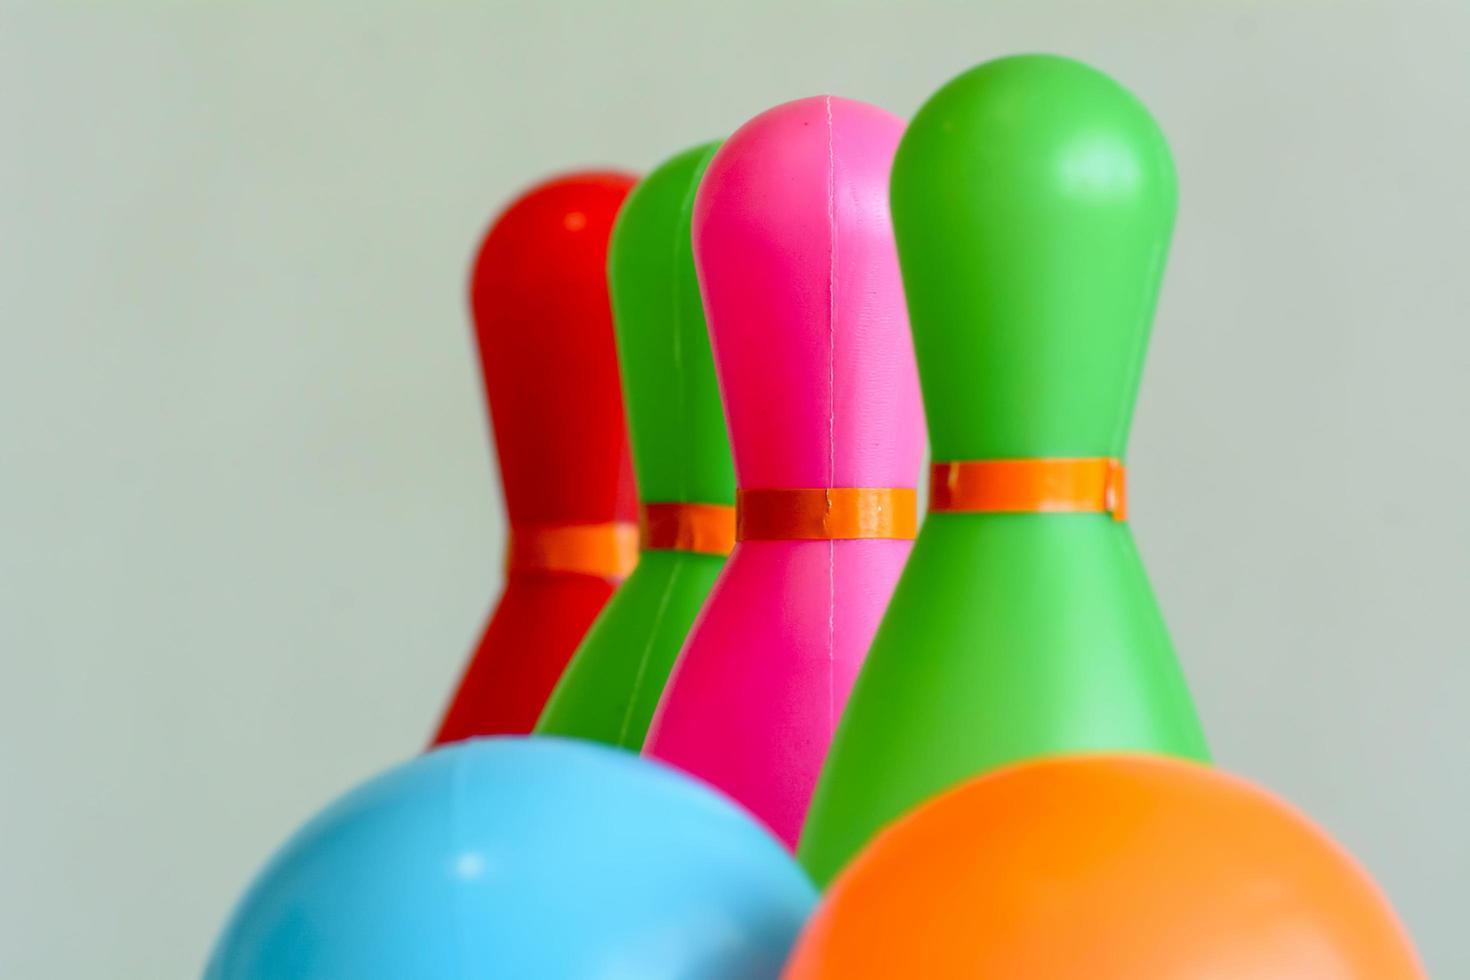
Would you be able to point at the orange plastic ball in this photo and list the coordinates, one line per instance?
(1108, 867)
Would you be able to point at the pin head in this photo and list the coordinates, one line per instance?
(799, 275)
(677, 425)
(1033, 198)
(539, 297)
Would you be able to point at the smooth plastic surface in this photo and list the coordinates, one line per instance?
(539, 297)
(1109, 868)
(516, 858)
(680, 453)
(800, 281)
(680, 450)
(1033, 200)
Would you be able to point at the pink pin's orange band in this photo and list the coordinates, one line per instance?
(1090, 485)
(706, 529)
(825, 513)
(605, 550)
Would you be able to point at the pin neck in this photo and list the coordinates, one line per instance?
(705, 529)
(1030, 486)
(607, 550)
(825, 513)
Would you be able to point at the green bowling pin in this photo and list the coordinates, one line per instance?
(681, 456)
(1033, 200)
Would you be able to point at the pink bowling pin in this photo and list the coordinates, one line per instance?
(796, 261)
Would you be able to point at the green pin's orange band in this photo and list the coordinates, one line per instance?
(825, 513)
(605, 550)
(706, 529)
(1090, 485)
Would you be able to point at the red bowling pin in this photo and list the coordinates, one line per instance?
(542, 317)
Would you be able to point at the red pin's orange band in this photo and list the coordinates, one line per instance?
(707, 529)
(605, 550)
(825, 513)
(1096, 484)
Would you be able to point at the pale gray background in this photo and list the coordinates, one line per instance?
(249, 523)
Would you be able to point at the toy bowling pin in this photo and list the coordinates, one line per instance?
(682, 458)
(539, 296)
(801, 288)
(1033, 200)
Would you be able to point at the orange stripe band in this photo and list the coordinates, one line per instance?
(983, 486)
(705, 529)
(825, 514)
(605, 550)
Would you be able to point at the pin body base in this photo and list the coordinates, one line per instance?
(1009, 636)
(755, 696)
(540, 619)
(613, 683)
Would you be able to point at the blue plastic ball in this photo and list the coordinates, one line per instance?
(521, 858)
